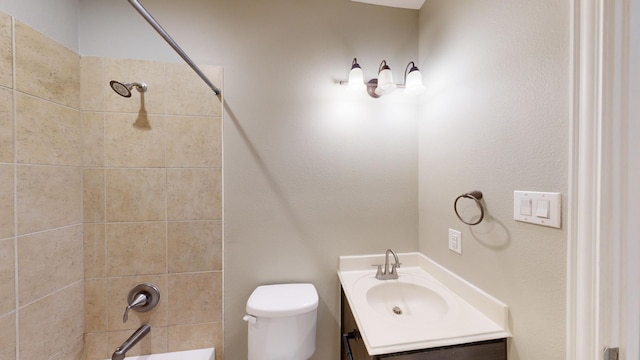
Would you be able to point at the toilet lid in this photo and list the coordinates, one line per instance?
(282, 300)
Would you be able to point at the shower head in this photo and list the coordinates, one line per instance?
(125, 89)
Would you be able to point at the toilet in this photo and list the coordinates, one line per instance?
(282, 322)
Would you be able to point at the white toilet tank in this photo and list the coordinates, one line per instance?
(282, 322)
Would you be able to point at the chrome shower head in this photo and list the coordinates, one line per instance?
(125, 89)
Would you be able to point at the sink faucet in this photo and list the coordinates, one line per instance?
(388, 274)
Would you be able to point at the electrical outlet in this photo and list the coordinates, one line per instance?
(455, 241)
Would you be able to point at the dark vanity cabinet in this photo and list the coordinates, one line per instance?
(485, 350)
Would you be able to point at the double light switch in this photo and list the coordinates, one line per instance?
(542, 208)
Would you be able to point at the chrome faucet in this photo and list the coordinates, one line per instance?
(139, 301)
(121, 351)
(388, 274)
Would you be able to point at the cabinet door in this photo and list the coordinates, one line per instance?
(489, 350)
(358, 350)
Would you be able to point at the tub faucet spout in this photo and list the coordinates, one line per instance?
(121, 351)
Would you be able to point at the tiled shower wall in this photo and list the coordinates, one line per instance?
(141, 178)
(41, 274)
(152, 204)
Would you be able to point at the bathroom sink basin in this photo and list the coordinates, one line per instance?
(410, 301)
(407, 302)
(416, 310)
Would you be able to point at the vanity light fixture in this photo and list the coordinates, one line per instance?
(413, 80)
(356, 78)
(385, 80)
(384, 83)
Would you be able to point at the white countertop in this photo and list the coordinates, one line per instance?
(472, 315)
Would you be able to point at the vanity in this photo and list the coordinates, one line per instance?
(427, 312)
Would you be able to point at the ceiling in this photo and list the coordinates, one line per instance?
(405, 4)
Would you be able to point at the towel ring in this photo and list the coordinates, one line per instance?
(475, 196)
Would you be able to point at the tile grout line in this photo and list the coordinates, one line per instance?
(222, 201)
(82, 217)
(15, 189)
(105, 249)
(65, 287)
(166, 211)
(82, 186)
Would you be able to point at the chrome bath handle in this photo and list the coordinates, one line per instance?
(140, 300)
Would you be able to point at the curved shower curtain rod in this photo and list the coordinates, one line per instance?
(145, 14)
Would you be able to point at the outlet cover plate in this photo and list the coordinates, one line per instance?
(455, 241)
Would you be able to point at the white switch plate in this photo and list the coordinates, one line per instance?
(455, 241)
(526, 203)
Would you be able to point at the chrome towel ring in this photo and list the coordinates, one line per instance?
(475, 196)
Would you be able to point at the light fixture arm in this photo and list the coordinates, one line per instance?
(383, 66)
(354, 64)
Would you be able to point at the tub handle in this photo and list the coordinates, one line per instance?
(143, 297)
(250, 319)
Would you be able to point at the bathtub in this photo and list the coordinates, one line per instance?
(199, 354)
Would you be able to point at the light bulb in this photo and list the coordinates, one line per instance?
(385, 80)
(414, 84)
(356, 78)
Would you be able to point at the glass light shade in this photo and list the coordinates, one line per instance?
(356, 79)
(385, 82)
(414, 84)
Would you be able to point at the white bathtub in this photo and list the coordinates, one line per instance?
(199, 354)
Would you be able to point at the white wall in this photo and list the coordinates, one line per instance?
(311, 171)
(57, 19)
(631, 334)
(496, 118)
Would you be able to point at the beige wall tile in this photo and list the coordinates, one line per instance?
(48, 197)
(195, 298)
(134, 133)
(194, 142)
(154, 343)
(135, 194)
(189, 94)
(73, 351)
(6, 50)
(6, 201)
(196, 336)
(95, 250)
(194, 246)
(220, 353)
(95, 305)
(93, 198)
(136, 249)
(129, 71)
(92, 139)
(48, 261)
(47, 133)
(92, 83)
(7, 277)
(8, 336)
(96, 346)
(6, 125)
(134, 141)
(194, 194)
(50, 324)
(118, 290)
(45, 68)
